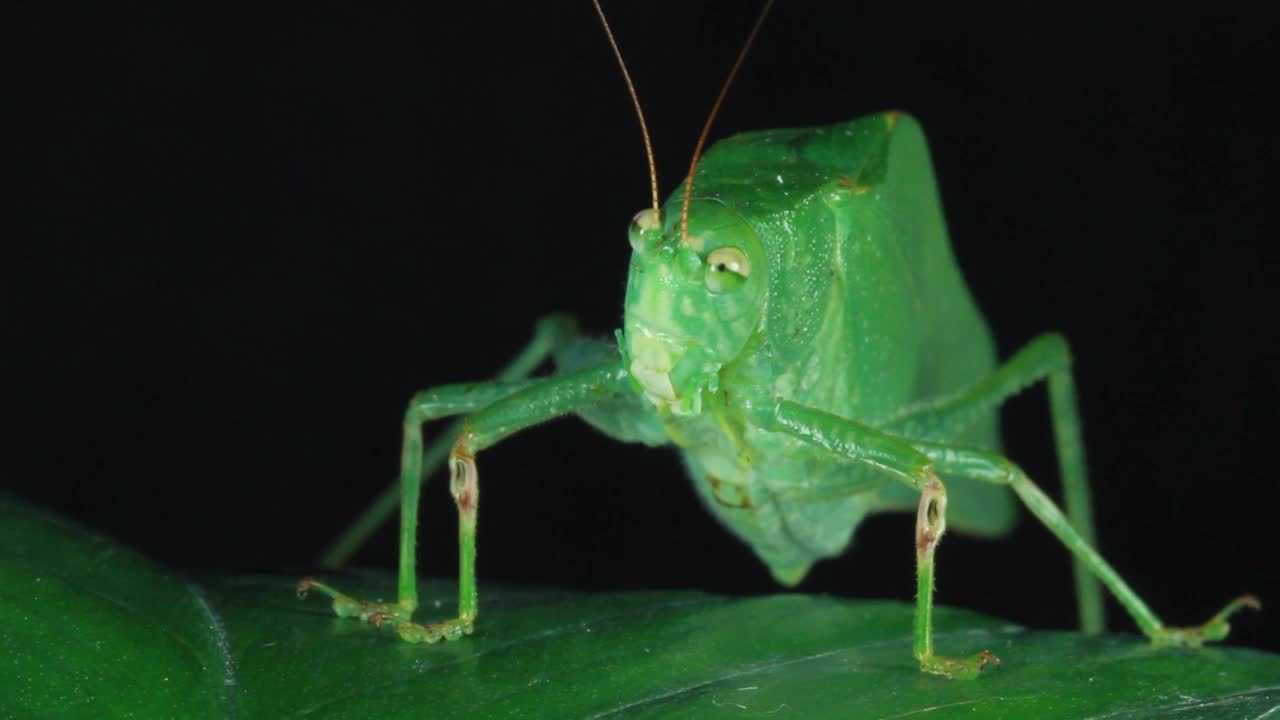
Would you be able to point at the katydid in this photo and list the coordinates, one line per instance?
(797, 326)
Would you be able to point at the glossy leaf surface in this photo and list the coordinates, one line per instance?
(90, 629)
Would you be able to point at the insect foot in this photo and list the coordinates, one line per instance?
(348, 607)
(432, 632)
(1213, 631)
(394, 616)
(959, 668)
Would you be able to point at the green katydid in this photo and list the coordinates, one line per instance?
(796, 324)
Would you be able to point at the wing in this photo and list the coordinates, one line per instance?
(956, 348)
(868, 310)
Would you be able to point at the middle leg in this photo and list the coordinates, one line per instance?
(551, 334)
(909, 465)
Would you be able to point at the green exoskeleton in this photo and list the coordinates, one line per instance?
(800, 330)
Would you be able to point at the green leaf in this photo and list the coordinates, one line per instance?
(92, 630)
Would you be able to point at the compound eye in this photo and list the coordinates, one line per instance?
(727, 269)
(643, 230)
(646, 219)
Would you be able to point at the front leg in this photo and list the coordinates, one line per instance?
(991, 467)
(535, 402)
(551, 334)
(1045, 358)
(898, 458)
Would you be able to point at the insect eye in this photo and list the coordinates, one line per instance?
(727, 269)
(646, 219)
(644, 230)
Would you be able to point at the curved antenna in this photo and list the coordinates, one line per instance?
(706, 129)
(635, 100)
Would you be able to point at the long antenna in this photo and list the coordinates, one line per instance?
(635, 100)
(706, 129)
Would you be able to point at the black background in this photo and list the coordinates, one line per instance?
(244, 237)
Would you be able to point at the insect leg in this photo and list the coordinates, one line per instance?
(509, 412)
(860, 442)
(549, 335)
(426, 405)
(931, 523)
(990, 467)
(1045, 357)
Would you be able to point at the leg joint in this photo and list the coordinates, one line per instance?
(427, 405)
(931, 516)
(1056, 347)
(558, 328)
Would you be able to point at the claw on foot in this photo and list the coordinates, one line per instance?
(1214, 630)
(305, 585)
(960, 668)
(389, 615)
(347, 607)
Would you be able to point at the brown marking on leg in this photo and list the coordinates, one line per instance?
(464, 479)
(931, 517)
(305, 585)
(986, 657)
